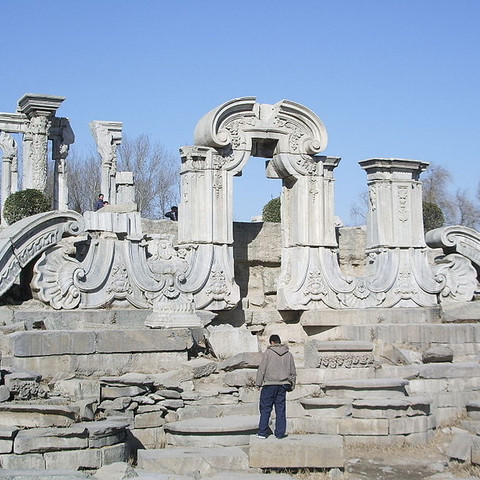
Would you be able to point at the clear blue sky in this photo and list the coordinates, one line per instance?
(389, 78)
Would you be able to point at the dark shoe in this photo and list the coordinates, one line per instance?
(263, 437)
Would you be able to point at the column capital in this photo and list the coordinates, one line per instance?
(34, 104)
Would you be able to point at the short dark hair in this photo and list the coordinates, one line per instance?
(100, 195)
(275, 339)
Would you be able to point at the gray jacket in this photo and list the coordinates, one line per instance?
(277, 367)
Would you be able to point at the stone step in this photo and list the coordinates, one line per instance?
(36, 415)
(330, 407)
(251, 476)
(185, 461)
(297, 451)
(377, 387)
(391, 407)
(232, 430)
(43, 475)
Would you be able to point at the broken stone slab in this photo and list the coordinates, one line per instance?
(120, 403)
(85, 408)
(200, 367)
(438, 353)
(460, 447)
(185, 461)
(226, 340)
(331, 407)
(113, 392)
(104, 432)
(240, 361)
(141, 379)
(297, 451)
(212, 411)
(40, 440)
(475, 459)
(36, 415)
(379, 387)
(390, 407)
(168, 393)
(7, 434)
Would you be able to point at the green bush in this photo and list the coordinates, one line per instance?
(25, 203)
(432, 216)
(272, 211)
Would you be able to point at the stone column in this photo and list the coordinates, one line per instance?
(39, 110)
(107, 135)
(9, 167)
(395, 217)
(62, 138)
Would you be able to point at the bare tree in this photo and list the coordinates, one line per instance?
(83, 176)
(468, 213)
(359, 209)
(156, 173)
(435, 182)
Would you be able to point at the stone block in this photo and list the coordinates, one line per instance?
(297, 451)
(240, 378)
(104, 433)
(144, 340)
(40, 440)
(30, 461)
(447, 415)
(33, 415)
(27, 474)
(429, 387)
(46, 343)
(226, 340)
(450, 370)
(391, 407)
(91, 458)
(241, 361)
(419, 438)
(185, 461)
(77, 388)
(475, 451)
(7, 434)
(146, 438)
(438, 354)
(149, 420)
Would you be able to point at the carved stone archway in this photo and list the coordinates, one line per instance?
(290, 136)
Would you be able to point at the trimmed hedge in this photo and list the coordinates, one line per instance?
(25, 203)
(272, 211)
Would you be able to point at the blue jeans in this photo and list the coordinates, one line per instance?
(273, 395)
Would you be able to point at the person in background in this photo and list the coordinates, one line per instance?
(100, 203)
(173, 213)
(276, 376)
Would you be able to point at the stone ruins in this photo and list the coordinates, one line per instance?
(137, 353)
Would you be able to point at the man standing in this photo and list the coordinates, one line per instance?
(99, 203)
(277, 376)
